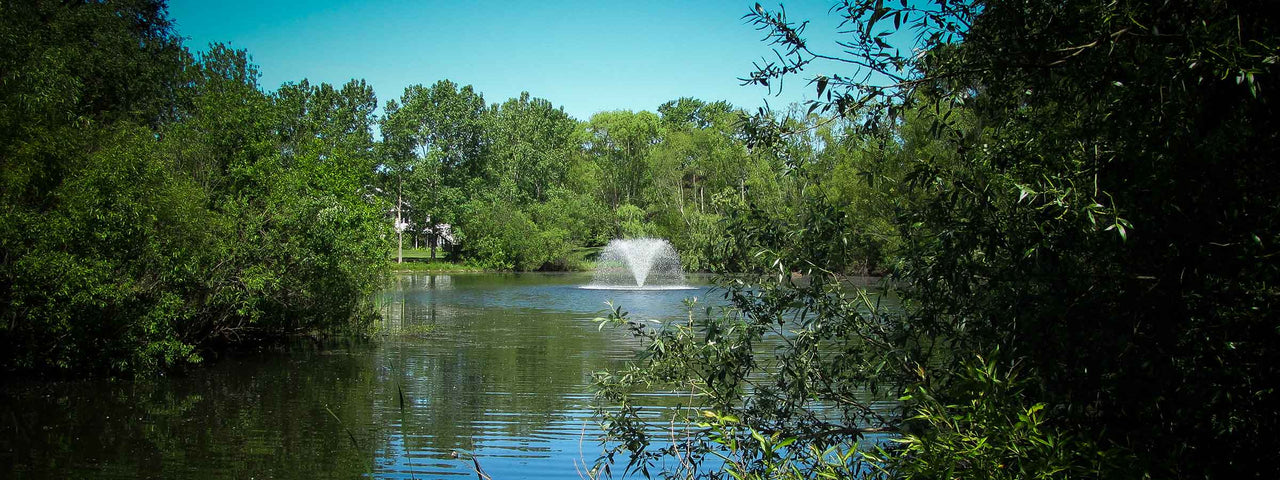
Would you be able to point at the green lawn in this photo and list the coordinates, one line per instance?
(419, 260)
(419, 254)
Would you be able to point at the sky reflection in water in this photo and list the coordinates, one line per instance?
(495, 365)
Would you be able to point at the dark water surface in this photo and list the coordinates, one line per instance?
(495, 365)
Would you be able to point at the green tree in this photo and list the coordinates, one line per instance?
(407, 182)
(93, 225)
(532, 146)
(128, 51)
(1085, 188)
(500, 235)
(619, 141)
(293, 240)
(448, 122)
(158, 203)
(705, 139)
(436, 147)
(586, 219)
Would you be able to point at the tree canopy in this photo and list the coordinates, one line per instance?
(158, 202)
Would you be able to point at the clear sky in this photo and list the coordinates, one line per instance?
(586, 56)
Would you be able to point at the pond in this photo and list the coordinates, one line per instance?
(498, 366)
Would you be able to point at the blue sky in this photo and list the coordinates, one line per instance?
(583, 55)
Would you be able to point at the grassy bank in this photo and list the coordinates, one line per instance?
(419, 260)
(440, 266)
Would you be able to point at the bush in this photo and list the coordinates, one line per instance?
(499, 235)
(989, 428)
(98, 282)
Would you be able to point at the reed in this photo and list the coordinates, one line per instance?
(350, 435)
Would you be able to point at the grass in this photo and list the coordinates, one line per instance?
(579, 259)
(436, 266)
(419, 260)
(419, 254)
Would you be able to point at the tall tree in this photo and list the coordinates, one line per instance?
(619, 142)
(123, 63)
(89, 210)
(533, 144)
(447, 121)
(437, 137)
(405, 178)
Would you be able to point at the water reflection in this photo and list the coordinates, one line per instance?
(504, 371)
(495, 365)
(239, 418)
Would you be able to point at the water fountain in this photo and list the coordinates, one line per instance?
(639, 264)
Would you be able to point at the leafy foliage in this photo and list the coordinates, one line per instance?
(506, 238)
(991, 432)
(1085, 187)
(157, 203)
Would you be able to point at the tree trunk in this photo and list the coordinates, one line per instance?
(680, 188)
(399, 231)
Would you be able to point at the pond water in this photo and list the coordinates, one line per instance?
(498, 366)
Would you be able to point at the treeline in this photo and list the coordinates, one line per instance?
(158, 201)
(524, 186)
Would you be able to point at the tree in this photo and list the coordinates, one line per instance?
(619, 142)
(503, 236)
(705, 138)
(532, 145)
(436, 144)
(93, 221)
(291, 236)
(1087, 196)
(447, 121)
(400, 166)
(158, 203)
(689, 112)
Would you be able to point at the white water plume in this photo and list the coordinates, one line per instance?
(639, 263)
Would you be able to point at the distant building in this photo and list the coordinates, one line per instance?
(430, 235)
